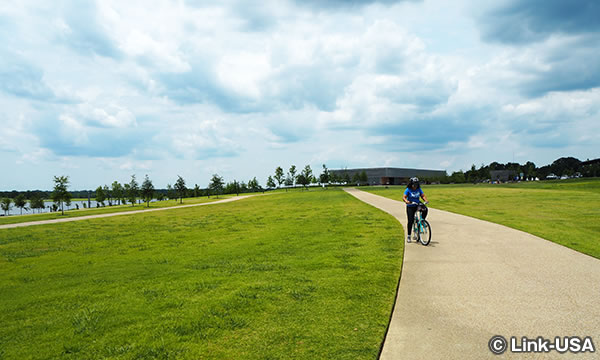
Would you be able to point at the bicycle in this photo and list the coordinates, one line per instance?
(421, 227)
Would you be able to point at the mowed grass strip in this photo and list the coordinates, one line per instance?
(303, 275)
(565, 212)
(16, 219)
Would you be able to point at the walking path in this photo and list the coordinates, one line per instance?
(79, 218)
(478, 279)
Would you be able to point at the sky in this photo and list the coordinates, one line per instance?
(101, 90)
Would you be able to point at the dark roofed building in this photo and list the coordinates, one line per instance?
(389, 175)
(502, 175)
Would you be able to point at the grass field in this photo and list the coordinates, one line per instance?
(302, 275)
(15, 219)
(566, 212)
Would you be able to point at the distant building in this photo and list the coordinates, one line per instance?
(502, 175)
(390, 176)
(590, 162)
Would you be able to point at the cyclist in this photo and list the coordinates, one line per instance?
(412, 195)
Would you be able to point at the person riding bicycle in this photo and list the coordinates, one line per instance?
(411, 197)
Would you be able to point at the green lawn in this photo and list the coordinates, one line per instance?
(302, 275)
(566, 212)
(15, 219)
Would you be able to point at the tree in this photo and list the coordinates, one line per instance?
(270, 182)
(356, 178)
(171, 194)
(126, 191)
(302, 180)
(180, 187)
(254, 185)
(279, 176)
(117, 191)
(197, 190)
(232, 188)
(364, 179)
(288, 182)
(20, 202)
(346, 178)
(60, 193)
(5, 203)
(108, 195)
(147, 190)
(36, 202)
(216, 184)
(133, 190)
(324, 178)
(305, 177)
(100, 195)
(292, 173)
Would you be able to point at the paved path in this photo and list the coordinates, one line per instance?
(79, 218)
(478, 279)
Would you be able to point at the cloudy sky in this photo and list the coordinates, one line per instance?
(102, 90)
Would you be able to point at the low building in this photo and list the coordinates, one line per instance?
(502, 175)
(389, 175)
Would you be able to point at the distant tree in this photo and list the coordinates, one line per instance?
(529, 170)
(60, 193)
(236, 187)
(171, 194)
(270, 182)
(100, 195)
(133, 191)
(364, 179)
(292, 173)
(279, 177)
(36, 202)
(216, 185)
(565, 166)
(243, 187)
(288, 182)
(5, 203)
(117, 192)
(325, 177)
(108, 194)
(305, 177)
(20, 202)
(346, 177)
(147, 190)
(254, 185)
(232, 188)
(197, 190)
(302, 180)
(457, 177)
(180, 187)
(126, 191)
(356, 178)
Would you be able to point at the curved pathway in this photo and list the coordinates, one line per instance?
(479, 279)
(79, 218)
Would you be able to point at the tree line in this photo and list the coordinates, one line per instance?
(564, 166)
(132, 192)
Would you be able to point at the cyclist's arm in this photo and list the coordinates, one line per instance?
(424, 197)
(405, 198)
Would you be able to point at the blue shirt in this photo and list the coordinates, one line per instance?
(413, 195)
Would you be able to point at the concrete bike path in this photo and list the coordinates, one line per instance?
(79, 218)
(479, 279)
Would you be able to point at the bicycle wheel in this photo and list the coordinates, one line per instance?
(425, 235)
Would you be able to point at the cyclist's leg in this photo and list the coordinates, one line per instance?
(410, 212)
